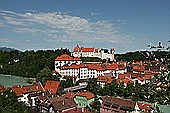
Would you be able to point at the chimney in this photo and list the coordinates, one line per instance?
(82, 110)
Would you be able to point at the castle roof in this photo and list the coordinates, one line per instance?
(66, 57)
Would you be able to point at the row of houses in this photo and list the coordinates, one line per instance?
(133, 72)
(47, 99)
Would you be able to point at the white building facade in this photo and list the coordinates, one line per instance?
(93, 52)
(69, 66)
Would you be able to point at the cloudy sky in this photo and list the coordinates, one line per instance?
(126, 25)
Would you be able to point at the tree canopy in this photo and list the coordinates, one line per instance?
(10, 104)
(28, 63)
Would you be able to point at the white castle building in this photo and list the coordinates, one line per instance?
(66, 65)
(93, 52)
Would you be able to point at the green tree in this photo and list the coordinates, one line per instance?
(95, 107)
(67, 83)
(46, 74)
(120, 89)
(93, 86)
(128, 91)
(113, 88)
(9, 104)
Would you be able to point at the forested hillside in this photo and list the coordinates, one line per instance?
(143, 55)
(28, 63)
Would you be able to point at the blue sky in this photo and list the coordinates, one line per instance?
(126, 25)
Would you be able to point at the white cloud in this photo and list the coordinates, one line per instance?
(62, 27)
(6, 40)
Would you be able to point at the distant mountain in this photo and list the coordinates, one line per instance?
(8, 49)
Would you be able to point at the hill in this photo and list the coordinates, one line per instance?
(7, 49)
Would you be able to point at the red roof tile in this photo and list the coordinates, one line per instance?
(126, 80)
(87, 49)
(148, 76)
(76, 49)
(147, 107)
(122, 76)
(88, 95)
(33, 88)
(121, 67)
(82, 65)
(140, 105)
(102, 79)
(69, 95)
(74, 66)
(139, 78)
(66, 57)
(76, 58)
(110, 80)
(19, 90)
(51, 86)
(2, 89)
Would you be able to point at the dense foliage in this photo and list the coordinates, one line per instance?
(89, 59)
(10, 104)
(28, 63)
(45, 74)
(138, 92)
(142, 55)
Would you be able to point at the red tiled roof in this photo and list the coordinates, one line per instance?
(121, 67)
(111, 66)
(135, 75)
(51, 86)
(139, 78)
(33, 88)
(2, 89)
(110, 80)
(87, 49)
(135, 67)
(66, 57)
(61, 103)
(88, 95)
(102, 79)
(19, 90)
(140, 105)
(92, 66)
(148, 72)
(117, 80)
(69, 95)
(100, 68)
(74, 66)
(146, 107)
(148, 76)
(122, 76)
(120, 102)
(139, 68)
(142, 67)
(126, 80)
(76, 58)
(76, 49)
(82, 65)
